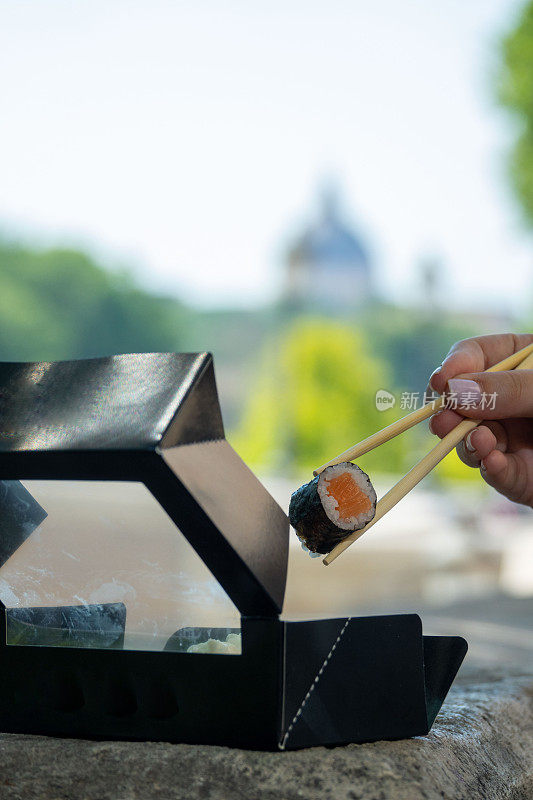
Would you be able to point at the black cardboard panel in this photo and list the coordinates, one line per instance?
(443, 655)
(307, 644)
(113, 403)
(245, 515)
(198, 417)
(20, 514)
(371, 685)
(178, 697)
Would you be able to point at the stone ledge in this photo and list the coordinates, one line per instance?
(480, 748)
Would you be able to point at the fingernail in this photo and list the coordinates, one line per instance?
(435, 372)
(482, 467)
(466, 393)
(468, 443)
(430, 425)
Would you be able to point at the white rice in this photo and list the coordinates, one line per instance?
(330, 504)
(232, 646)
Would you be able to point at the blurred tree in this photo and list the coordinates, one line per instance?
(515, 91)
(452, 469)
(413, 341)
(315, 395)
(57, 304)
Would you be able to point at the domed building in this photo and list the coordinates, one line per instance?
(328, 266)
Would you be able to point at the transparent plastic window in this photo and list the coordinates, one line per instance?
(100, 564)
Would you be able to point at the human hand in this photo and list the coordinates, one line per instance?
(502, 447)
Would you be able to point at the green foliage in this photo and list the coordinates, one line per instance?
(314, 395)
(315, 385)
(413, 341)
(57, 304)
(452, 469)
(515, 91)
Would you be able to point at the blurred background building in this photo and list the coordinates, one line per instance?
(328, 266)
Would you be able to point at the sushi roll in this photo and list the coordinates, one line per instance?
(338, 501)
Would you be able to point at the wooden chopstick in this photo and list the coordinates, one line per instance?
(415, 475)
(404, 423)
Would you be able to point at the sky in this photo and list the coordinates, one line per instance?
(189, 139)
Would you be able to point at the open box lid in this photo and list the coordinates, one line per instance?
(155, 418)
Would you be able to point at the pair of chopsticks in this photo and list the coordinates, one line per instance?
(522, 359)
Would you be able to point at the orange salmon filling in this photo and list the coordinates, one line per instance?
(350, 498)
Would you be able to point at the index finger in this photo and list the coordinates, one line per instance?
(476, 355)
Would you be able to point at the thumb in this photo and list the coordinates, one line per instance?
(492, 395)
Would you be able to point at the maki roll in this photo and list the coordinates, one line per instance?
(338, 501)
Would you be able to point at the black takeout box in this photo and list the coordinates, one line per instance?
(105, 613)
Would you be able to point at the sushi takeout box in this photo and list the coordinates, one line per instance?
(143, 570)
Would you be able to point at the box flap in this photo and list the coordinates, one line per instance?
(119, 402)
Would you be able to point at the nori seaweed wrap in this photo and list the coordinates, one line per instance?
(337, 502)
